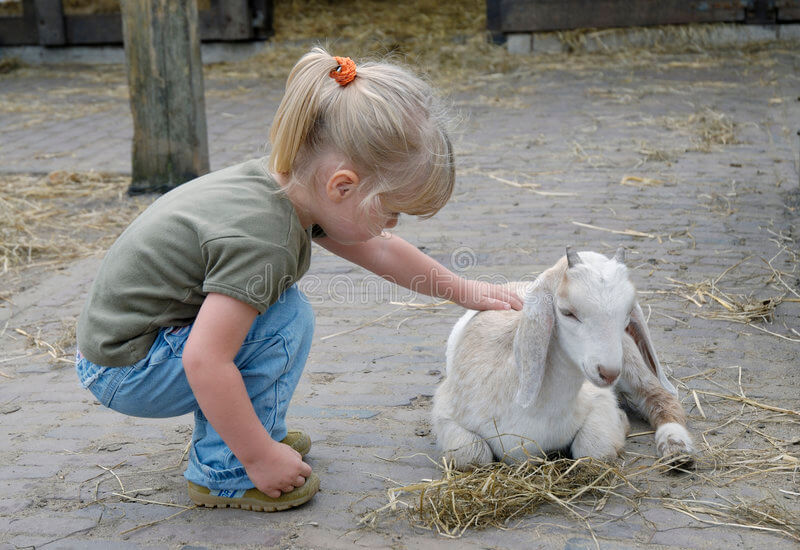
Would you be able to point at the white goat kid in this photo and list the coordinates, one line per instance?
(544, 379)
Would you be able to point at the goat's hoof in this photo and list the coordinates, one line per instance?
(458, 462)
(677, 462)
(674, 446)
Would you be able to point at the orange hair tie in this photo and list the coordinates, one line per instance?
(345, 72)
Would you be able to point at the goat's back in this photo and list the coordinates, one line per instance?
(480, 359)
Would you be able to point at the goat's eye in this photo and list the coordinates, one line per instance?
(567, 313)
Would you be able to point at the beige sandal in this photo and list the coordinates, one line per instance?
(297, 440)
(253, 499)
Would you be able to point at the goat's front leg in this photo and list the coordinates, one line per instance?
(602, 434)
(639, 387)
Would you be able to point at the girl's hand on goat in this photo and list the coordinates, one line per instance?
(481, 295)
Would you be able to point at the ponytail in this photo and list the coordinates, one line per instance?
(299, 108)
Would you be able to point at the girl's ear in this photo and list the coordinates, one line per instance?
(341, 184)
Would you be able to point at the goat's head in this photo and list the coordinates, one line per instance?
(593, 304)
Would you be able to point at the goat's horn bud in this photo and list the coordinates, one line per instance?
(620, 255)
(572, 257)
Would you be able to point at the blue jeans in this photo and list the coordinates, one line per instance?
(270, 361)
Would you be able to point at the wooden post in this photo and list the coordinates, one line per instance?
(165, 77)
(50, 20)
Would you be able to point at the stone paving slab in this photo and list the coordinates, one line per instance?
(578, 128)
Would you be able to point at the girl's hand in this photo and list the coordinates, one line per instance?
(281, 469)
(481, 295)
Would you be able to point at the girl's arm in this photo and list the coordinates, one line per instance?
(404, 264)
(215, 339)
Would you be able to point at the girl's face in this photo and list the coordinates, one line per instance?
(350, 223)
(342, 214)
(377, 218)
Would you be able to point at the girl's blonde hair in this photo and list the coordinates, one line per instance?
(387, 122)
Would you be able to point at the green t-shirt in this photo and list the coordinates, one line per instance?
(227, 232)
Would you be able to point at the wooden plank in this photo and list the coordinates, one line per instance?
(551, 15)
(20, 31)
(226, 20)
(233, 20)
(165, 78)
(788, 10)
(50, 22)
(105, 28)
(494, 20)
(262, 17)
(207, 23)
(760, 12)
(15, 32)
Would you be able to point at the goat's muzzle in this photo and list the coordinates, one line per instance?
(607, 375)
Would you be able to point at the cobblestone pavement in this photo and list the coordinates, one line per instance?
(688, 160)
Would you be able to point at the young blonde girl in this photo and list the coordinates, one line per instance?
(194, 308)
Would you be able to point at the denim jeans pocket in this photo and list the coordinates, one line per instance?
(88, 372)
(104, 381)
(176, 337)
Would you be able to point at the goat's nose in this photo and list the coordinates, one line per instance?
(608, 375)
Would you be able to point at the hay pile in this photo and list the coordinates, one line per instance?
(9, 64)
(91, 90)
(712, 128)
(446, 40)
(497, 494)
(61, 350)
(449, 42)
(751, 294)
(11, 9)
(53, 219)
(706, 128)
(48, 221)
(736, 307)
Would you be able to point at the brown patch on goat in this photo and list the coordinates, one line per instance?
(635, 332)
(646, 394)
(662, 407)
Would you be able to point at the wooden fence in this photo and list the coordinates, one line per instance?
(524, 16)
(43, 22)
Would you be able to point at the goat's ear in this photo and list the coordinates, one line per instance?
(619, 256)
(532, 340)
(572, 257)
(637, 328)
